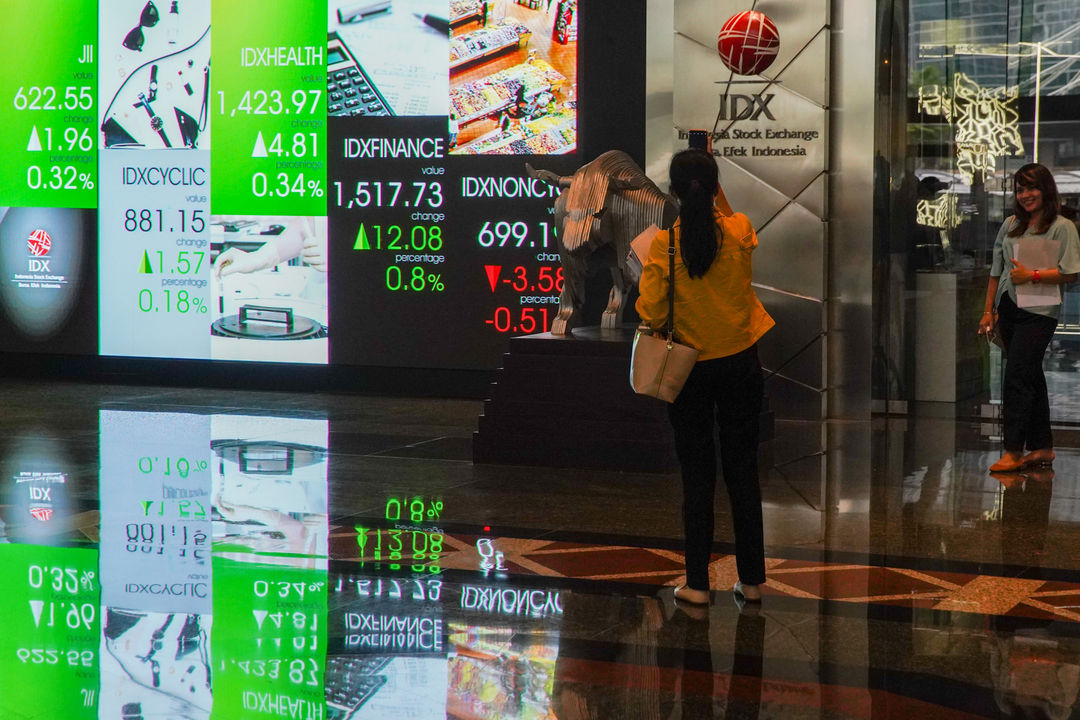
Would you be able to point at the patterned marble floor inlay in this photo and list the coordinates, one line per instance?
(843, 582)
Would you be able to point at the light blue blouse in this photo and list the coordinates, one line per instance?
(1061, 231)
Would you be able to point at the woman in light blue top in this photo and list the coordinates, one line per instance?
(1024, 321)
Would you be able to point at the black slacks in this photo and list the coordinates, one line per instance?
(1024, 400)
(726, 391)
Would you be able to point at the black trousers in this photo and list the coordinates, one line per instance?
(726, 391)
(1024, 400)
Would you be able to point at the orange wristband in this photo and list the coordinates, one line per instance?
(1035, 276)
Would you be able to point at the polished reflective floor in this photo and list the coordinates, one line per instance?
(174, 553)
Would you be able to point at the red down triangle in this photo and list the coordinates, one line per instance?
(493, 275)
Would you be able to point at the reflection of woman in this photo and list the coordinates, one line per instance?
(718, 313)
(637, 627)
(1025, 515)
(1026, 332)
(686, 678)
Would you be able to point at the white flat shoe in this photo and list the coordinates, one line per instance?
(748, 593)
(689, 595)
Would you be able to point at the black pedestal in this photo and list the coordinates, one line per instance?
(566, 402)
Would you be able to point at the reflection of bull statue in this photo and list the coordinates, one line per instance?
(608, 201)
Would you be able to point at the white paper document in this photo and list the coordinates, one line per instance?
(1037, 253)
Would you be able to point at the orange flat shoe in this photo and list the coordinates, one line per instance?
(1044, 456)
(1008, 480)
(1009, 462)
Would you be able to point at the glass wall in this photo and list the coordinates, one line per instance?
(968, 91)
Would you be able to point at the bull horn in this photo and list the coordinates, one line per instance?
(559, 181)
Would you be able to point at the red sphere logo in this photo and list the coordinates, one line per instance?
(42, 514)
(748, 42)
(40, 243)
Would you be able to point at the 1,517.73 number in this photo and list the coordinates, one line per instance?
(389, 194)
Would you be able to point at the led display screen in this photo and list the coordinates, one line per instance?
(336, 182)
(179, 566)
(213, 546)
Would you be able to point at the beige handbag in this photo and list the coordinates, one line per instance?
(659, 366)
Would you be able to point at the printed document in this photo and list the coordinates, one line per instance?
(1041, 253)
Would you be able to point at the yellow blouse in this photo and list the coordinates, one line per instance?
(718, 313)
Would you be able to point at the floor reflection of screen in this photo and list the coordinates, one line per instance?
(269, 487)
(154, 490)
(209, 522)
(369, 686)
(388, 647)
(154, 487)
(40, 480)
(500, 672)
(48, 648)
(269, 503)
(155, 665)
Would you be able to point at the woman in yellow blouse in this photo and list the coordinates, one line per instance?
(717, 312)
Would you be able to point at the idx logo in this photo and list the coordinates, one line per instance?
(745, 107)
(39, 242)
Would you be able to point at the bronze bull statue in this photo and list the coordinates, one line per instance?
(608, 201)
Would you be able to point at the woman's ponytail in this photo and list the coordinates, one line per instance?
(695, 181)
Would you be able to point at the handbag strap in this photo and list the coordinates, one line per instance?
(669, 327)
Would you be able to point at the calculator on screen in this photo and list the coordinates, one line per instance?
(349, 90)
(351, 681)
